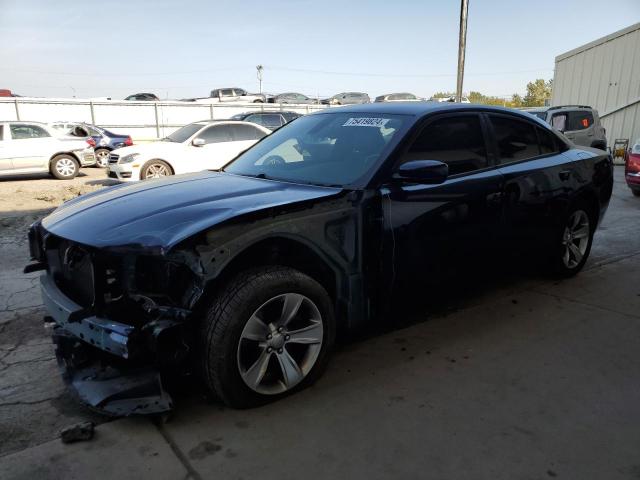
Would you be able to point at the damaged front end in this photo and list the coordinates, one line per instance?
(119, 319)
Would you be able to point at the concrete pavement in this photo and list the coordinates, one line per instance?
(527, 379)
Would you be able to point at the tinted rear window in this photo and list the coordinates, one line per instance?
(516, 139)
(246, 132)
(579, 120)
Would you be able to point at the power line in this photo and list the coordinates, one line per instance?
(405, 75)
(285, 69)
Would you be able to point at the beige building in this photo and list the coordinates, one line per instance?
(604, 74)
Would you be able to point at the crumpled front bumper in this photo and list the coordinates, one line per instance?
(93, 352)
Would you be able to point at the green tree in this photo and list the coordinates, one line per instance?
(443, 95)
(537, 92)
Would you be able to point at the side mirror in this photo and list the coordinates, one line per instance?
(430, 172)
(198, 142)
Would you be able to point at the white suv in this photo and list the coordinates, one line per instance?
(31, 147)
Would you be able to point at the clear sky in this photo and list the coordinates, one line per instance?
(183, 49)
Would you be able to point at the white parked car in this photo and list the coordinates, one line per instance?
(206, 145)
(32, 147)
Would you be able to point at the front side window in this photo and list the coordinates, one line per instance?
(324, 149)
(226, 93)
(241, 133)
(22, 132)
(516, 139)
(457, 141)
(217, 134)
(579, 121)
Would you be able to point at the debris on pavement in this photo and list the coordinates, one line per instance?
(79, 432)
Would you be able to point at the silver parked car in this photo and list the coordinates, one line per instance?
(399, 97)
(579, 123)
(293, 98)
(32, 147)
(347, 98)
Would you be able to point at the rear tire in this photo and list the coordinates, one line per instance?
(252, 352)
(636, 192)
(155, 169)
(573, 241)
(64, 167)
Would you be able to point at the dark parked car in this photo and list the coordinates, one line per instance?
(106, 141)
(244, 275)
(347, 98)
(143, 97)
(270, 120)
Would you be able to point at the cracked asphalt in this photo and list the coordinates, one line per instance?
(527, 378)
(34, 405)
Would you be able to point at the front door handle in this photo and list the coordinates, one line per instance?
(565, 175)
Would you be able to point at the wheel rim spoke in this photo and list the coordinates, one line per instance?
(291, 373)
(292, 302)
(254, 375)
(577, 254)
(255, 330)
(308, 335)
(581, 232)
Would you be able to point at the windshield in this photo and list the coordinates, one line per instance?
(182, 134)
(334, 149)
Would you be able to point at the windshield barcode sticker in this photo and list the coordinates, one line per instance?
(366, 122)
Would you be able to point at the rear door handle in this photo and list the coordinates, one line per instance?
(564, 175)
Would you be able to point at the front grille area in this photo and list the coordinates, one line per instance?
(76, 273)
(114, 157)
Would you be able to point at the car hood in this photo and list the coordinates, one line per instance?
(161, 213)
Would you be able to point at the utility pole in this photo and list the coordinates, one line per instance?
(462, 46)
(259, 68)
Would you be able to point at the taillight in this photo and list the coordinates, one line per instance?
(91, 142)
(633, 162)
(128, 142)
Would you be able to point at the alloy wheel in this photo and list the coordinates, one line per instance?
(66, 167)
(102, 158)
(575, 238)
(156, 170)
(280, 344)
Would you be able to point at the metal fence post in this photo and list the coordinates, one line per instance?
(17, 110)
(211, 111)
(93, 117)
(155, 105)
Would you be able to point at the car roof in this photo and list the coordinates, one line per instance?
(419, 109)
(23, 121)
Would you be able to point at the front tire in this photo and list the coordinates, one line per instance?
(267, 334)
(64, 167)
(636, 192)
(102, 157)
(155, 169)
(573, 241)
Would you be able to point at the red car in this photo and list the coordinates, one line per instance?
(632, 168)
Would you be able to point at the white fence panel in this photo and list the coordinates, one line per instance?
(141, 120)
